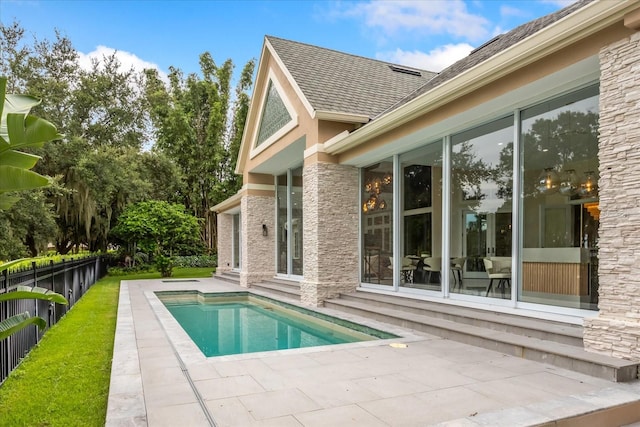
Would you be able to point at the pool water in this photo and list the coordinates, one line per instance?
(241, 324)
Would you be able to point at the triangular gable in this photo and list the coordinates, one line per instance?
(260, 108)
(277, 116)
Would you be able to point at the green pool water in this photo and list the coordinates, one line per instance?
(238, 324)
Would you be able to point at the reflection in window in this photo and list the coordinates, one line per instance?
(377, 222)
(559, 158)
(481, 206)
(422, 217)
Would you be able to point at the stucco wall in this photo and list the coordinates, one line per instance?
(257, 256)
(225, 238)
(616, 329)
(330, 199)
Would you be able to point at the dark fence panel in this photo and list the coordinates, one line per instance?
(71, 278)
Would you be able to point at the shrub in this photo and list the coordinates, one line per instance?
(196, 261)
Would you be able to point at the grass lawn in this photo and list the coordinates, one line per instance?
(65, 379)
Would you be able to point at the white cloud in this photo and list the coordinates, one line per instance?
(425, 17)
(509, 11)
(435, 60)
(127, 60)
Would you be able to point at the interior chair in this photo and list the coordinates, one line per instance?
(495, 272)
(457, 266)
(406, 269)
(433, 265)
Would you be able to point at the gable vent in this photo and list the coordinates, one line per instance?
(405, 70)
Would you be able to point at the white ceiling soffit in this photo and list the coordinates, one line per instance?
(291, 156)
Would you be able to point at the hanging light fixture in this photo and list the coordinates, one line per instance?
(569, 183)
(589, 185)
(375, 187)
(548, 181)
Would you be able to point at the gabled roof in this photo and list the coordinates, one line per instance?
(333, 81)
(490, 49)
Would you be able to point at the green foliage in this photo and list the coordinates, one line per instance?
(195, 261)
(192, 127)
(18, 131)
(164, 264)
(42, 261)
(20, 321)
(127, 271)
(157, 227)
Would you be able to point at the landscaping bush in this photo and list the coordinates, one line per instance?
(196, 261)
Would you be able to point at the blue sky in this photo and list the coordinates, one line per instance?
(153, 33)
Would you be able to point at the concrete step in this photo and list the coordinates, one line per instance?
(279, 287)
(537, 328)
(558, 354)
(229, 276)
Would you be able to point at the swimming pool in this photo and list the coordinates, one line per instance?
(239, 322)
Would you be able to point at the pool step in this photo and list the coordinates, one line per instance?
(511, 338)
(279, 287)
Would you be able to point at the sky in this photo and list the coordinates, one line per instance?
(158, 34)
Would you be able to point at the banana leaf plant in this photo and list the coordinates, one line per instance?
(17, 322)
(19, 130)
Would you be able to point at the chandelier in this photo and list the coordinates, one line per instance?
(376, 186)
(567, 183)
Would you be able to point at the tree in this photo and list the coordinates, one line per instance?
(158, 227)
(191, 118)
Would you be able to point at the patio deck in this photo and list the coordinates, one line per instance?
(159, 378)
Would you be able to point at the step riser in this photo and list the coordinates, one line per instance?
(566, 362)
(535, 333)
(235, 281)
(278, 292)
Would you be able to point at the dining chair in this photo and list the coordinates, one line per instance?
(503, 276)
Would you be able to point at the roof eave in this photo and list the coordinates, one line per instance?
(227, 204)
(584, 22)
(335, 116)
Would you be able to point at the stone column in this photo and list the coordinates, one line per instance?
(225, 243)
(331, 201)
(616, 329)
(257, 257)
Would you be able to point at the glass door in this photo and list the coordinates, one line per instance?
(486, 235)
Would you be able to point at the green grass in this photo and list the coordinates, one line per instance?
(65, 379)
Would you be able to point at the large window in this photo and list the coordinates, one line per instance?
(377, 223)
(236, 241)
(540, 247)
(289, 219)
(481, 209)
(559, 176)
(422, 217)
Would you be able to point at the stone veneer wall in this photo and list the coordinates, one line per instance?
(225, 245)
(257, 259)
(331, 201)
(616, 329)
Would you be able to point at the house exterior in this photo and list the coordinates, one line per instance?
(510, 180)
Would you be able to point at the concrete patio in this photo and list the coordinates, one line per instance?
(160, 378)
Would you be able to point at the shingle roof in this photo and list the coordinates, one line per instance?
(491, 48)
(343, 83)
